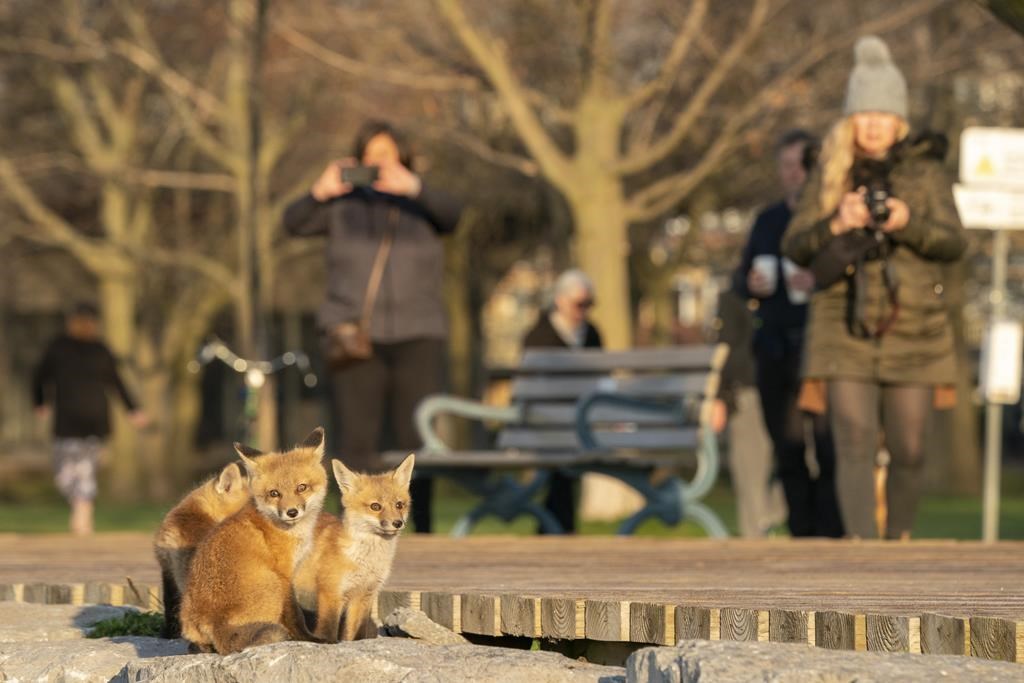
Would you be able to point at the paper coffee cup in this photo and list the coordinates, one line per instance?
(796, 296)
(768, 267)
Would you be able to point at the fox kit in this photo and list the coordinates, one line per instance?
(352, 557)
(239, 592)
(185, 526)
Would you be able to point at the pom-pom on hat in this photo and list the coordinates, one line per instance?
(875, 84)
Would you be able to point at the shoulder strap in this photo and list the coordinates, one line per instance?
(383, 251)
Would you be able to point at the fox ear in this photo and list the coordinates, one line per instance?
(315, 441)
(230, 477)
(345, 477)
(403, 473)
(250, 465)
(249, 451)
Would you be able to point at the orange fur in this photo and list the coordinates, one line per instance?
(352, 556)
(240, 590)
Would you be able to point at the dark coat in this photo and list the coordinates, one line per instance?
(409, 303)
(543, 334)
(77, 375)
(779, 322)
(918, 347)
(734, 325)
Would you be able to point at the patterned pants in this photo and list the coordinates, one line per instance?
(74, 461)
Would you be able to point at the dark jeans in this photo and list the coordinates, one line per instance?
(859, 411)
(561, 501)
(384, 391)
(813, 510)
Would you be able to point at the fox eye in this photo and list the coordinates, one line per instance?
(274, 493)
(301, 488)
(375, 507)
(399, 505)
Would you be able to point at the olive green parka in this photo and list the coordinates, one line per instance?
(918, 346)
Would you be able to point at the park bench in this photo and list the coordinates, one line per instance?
(640, 416)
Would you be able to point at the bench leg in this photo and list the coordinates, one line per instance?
(705, 516)
(504, 498)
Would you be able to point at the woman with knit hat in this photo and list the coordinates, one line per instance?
(876, 221)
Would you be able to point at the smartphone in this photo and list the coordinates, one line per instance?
(360, 176)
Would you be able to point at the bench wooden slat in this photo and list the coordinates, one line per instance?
(565, 439)
(564, 415)
(570, 387)
(594, 360)
(519, 459)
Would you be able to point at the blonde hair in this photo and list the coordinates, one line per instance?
(837, 154)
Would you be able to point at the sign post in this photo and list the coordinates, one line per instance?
(991, 196)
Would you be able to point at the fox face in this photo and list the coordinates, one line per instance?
(375, 503)
(287, 486)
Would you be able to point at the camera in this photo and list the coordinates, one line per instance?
(873, 175)
(360, 176)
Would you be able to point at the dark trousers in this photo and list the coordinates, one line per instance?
(813, 509)
(561, 501)
(383, 392)
(860, 410)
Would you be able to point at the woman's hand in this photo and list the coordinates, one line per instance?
(394, 178)
(852, 213)
(899, 215)
(330, 185)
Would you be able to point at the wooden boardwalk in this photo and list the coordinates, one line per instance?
(924, 596)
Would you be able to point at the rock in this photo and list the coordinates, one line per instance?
(79, 660)
(735, 662)
(381, 660)
(412, 623)
(27, 622)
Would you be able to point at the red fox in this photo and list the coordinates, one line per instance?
(351, 557)
(185, 526)
(239, 592)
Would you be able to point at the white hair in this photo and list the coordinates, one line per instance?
(572, 279)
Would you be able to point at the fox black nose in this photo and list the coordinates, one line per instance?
(293, 512)
(397, 523)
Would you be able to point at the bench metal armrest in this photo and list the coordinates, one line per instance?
(707, 454)
(444, 404)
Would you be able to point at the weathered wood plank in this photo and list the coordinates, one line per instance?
(692, 623)
(651, 623)
(389, 601)
(993, 638)
(12, 591)
(788, 626)
(36, 593)
(834, 630)
(739, 624)
(887, 633)
(481, 614)
(520, 615)
(528, 438)
(135, 594)
(442, 608)
(607, 620)
(942, 635)
(563, 618)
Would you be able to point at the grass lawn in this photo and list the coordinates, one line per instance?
(938, 517)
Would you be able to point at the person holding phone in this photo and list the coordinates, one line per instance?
(357, 202)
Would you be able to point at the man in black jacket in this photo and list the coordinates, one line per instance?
(566, 326)
(76, 374)
(778, 292)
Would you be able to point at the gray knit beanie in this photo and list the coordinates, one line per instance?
(876, 84)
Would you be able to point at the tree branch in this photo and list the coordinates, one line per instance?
(54, 230)
(87, 135)
(528, 167)
(661, 195)
(648, 156)
(669, 70)
(496, 67)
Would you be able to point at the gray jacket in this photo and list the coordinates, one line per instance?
(409, 304)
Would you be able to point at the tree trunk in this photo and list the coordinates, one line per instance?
(117, 302)
(601, 248)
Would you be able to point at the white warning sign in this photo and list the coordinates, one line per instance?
(992, 157)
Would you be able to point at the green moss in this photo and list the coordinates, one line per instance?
(131, 624)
